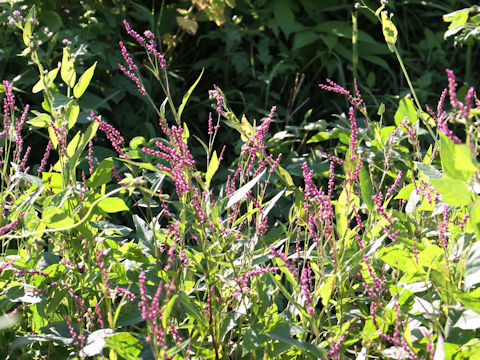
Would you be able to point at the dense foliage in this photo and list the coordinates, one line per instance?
(142, 218)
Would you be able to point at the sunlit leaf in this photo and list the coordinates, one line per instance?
(212, 168)
(240, 193)
(84, 81)
(389, 31)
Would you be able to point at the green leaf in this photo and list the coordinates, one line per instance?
(272, 203)
(41, 120)
(366, 187)
(397, 257)
(67, 71)
(326, 290)
(125, 345)
(285, 178)
(457, 160)
(137, 141)
(52, 180)
(304, 346)
(84, 81)
(472, 266)
(113, 205)
(319, 137)
(240, 193)
(146, 166)
(28, 27)
(406, 109)
(457, 18)
(474, 219)
(83, 141)
(285, 17)
(185, 133)
(212, 169)
(168, 310)
(405, 192)
(145, 235)
(72, 114)
(428, 170)
(50, 19)
(454, 192)
(56, 218)
(389, 31)
(304, 38)
(192, 309)
(45, 80)
(102, 175)
(187, 96)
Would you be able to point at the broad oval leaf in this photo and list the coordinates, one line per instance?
(102, 175)
(42, 120)
(113, 205)
(125, 345)
(454, 192)
(406, 108)
(56, 218)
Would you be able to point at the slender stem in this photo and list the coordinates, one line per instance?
(355, 43)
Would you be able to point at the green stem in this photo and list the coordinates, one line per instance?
(414, 94)
(354, 43)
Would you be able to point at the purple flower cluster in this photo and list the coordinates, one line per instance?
(305, 281)
(215, 94)
(319, 209)
(287, 262)
(112, 134)
(395, 184)
(378, 200)
(61, 136)
(152, 313)
(464, 108)
(177, 155)
(134, 78)
(243, 279)
(150, 46)
(353, 134)
(355, 101)
(43, 163)
(100, 255)
(8, 227)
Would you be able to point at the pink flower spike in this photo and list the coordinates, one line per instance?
(127, 57)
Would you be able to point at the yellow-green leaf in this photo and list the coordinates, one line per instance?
(84, 81)
(56, 218)
(46, 80)
(42, 121)
(406, 108)
(72, 114)
(389, 31)
(28, 27)
(212, 168)
(113, 205)
(67, 71)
